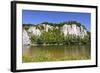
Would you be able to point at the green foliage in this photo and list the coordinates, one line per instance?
(72, 39)
(52, 36)
(52, 24)
(86, 39)
(83, 26)
(56, 37)
(33, 39)
(27, 26)
(36, 39)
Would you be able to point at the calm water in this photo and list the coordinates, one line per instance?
(55, 53)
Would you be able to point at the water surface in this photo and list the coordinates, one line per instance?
(55, 53)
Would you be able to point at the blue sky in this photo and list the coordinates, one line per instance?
(36, 17)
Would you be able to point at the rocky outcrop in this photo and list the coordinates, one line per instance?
(66, 29)
(34, 31)
(46, 27)
(73, 30)
(26, 40)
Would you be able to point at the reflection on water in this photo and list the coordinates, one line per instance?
(55, 53)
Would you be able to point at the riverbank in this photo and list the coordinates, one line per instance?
(55, 44)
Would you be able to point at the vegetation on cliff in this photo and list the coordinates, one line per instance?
(55, 36)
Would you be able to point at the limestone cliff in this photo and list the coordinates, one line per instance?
(72, 28)
(66, 29)
(25, 38)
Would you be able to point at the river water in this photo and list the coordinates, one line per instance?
(56, 53)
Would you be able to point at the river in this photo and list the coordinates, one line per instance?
(55, 53)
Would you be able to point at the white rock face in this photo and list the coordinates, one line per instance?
(47, 27)
(83, 32)
(26, 39)
(73, 30)
(35, 31)
(66, 29)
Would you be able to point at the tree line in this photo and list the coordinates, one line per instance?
(55, 36)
